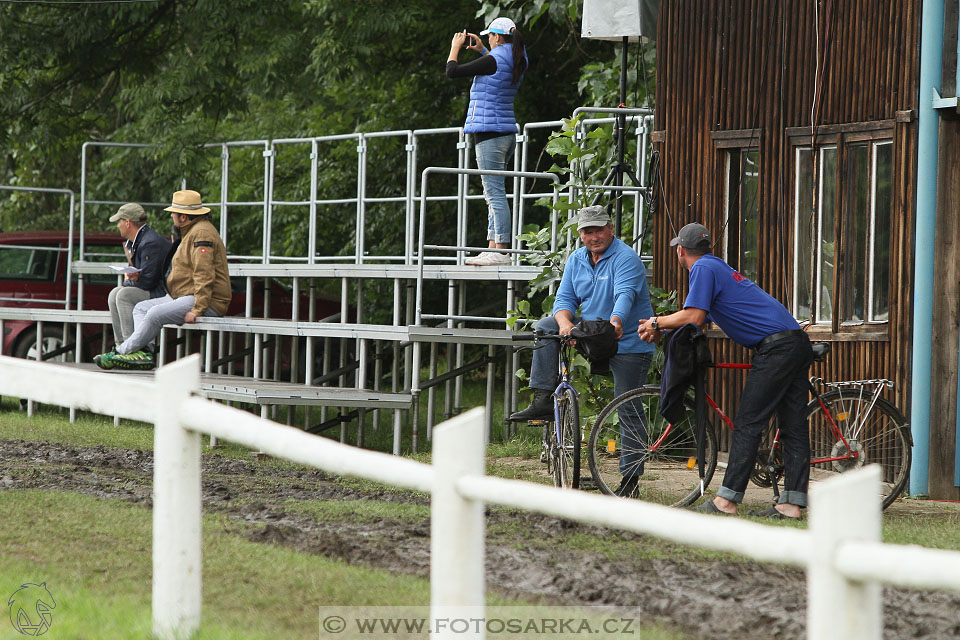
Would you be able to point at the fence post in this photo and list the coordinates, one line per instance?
(176, 505)
(844, 508)
(456, 524)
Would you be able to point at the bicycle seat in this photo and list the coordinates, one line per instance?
(820, 350)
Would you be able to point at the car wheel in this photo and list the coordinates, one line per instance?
(52, 341)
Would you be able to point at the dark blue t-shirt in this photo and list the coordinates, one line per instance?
(744, 311)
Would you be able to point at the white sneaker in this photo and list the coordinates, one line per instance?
(489, 259)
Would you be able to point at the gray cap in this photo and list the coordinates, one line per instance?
(693, 236)
(129, 211)
(595, 216)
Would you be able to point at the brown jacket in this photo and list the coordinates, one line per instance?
(199, 268)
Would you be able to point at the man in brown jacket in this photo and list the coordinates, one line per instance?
(198, 284)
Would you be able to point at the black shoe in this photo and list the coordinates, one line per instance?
(770, 512)
(628, 487)
(708, 506)
(540, 409)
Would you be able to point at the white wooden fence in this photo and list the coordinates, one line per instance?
(841, 550)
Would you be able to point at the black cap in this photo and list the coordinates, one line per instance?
(693, 236)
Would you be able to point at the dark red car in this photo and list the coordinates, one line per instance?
(33, 273)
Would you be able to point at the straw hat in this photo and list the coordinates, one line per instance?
(187, 202)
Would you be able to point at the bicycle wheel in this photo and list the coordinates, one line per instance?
(566, 452)
(630, 437)
(878, 437)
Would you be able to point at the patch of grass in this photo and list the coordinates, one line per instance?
(526, 444)
(938, 528)
(366, 486)
(52, 424)
(359, 510)
(95, 557)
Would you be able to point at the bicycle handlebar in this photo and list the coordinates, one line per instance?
(537, 336)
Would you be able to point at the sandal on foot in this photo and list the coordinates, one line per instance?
(770, 512)
(707, 506)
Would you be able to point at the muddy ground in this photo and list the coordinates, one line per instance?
(526, 554)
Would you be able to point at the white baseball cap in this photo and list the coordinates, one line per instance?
(503, 26)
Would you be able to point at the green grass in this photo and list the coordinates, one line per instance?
(369, 511)
(939, 528)
(95, 554)
(95, 557)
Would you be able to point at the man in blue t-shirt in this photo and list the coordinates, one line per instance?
(776, 383)
(602, 279)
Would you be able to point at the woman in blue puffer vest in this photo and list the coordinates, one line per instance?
(496, 77)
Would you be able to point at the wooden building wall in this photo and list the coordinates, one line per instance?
(946, 314)
(735, 65)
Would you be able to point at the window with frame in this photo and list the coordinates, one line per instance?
(742, 233)
(741, 191)
(843, 194)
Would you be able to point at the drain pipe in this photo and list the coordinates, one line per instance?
(931, 62)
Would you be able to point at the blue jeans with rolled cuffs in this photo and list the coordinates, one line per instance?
(629, 372)
(493, 154)
(775, 384)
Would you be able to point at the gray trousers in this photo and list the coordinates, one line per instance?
(121, 302)
(149, 317)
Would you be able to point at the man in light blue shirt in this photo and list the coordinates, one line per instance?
(603, 279)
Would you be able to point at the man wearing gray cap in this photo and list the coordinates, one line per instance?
(776, 383)
(146, 250)
(602, 279)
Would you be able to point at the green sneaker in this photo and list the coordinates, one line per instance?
(138, 360)
(105, 360)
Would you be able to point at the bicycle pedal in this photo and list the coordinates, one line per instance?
(538, 422)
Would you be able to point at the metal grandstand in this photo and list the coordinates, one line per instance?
(370, 356)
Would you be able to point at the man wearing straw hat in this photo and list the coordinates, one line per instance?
(198, 284)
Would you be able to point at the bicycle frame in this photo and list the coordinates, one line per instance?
(853, 454)
(558, 446)
(563, 367)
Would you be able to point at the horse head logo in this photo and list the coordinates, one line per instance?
(30, 609)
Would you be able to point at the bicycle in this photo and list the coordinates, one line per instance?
(850, 425)
(561, 445)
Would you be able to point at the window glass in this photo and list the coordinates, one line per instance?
(849, 191)
(827, 243)
(855, 237)
(742, 232)
(27, 263)
(880, 262)
(749, 214)
(803, 238)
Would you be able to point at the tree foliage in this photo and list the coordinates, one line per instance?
(181, 74)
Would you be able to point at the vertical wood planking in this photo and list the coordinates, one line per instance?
(719, 69)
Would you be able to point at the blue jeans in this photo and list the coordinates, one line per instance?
(629, 372)
(494, 154)
(776, 383)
